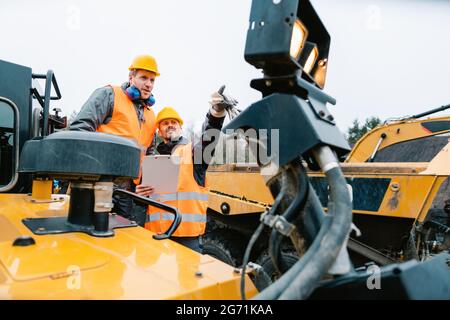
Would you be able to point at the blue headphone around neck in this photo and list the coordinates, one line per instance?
(134, 94)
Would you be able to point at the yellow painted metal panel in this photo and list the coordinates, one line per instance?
(405, 196)
(8, 231)
(42, 189)
(237, 206)
(245, 185)
(50, 256)
(430, 199)
(440, 165)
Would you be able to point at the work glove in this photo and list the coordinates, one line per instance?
(221, 102)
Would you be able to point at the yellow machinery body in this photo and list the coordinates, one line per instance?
(409, 193)
(240, 188)
(129, 265)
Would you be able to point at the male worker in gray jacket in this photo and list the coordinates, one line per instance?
(124, 111)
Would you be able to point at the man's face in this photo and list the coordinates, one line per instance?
(144, 81)
(169, 129)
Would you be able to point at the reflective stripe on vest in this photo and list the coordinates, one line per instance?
(180, 196)
(185, 217)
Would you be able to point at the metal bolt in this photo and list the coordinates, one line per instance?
(279, 225)
(323, 63)
(395, 187)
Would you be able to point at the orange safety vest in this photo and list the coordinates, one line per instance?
(125, 123)
(190, 199)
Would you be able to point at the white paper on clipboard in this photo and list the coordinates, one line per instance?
(161, 172)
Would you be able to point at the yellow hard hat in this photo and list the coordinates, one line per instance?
(145, 62)
(168, 113)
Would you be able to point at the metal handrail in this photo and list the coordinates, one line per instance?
(44, 101)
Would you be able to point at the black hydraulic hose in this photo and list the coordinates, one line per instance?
(301, 193)
(276, 238)
(313, 215)
(325, 236)
(276, 289)
(427, 113)
(317, 225)
(275, 252)
(314, 271)
(149, 202)
(258, 231)
(300, 188)
(248, 250)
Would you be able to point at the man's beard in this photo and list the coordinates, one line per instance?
(174, 135)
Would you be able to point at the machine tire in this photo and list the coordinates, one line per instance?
(224, 248)
(268, 274)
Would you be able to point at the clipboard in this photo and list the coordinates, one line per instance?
(161, 172)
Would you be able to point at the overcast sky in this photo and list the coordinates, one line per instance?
(387, 58)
